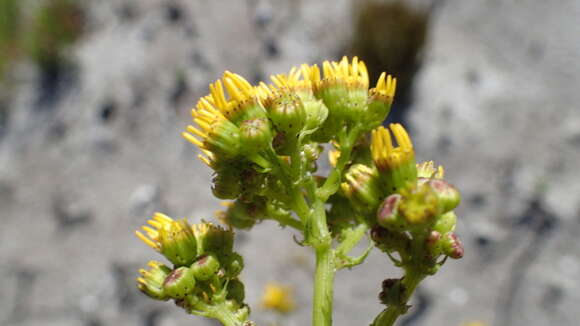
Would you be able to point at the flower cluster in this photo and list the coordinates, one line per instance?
(263, 142)
(251, 135)
(203, 278)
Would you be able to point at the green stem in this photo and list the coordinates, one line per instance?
(352, 238)
(220, 312)
(323, 287)
(390, 315)
(332, 183)
(287, 220)
(321, 241)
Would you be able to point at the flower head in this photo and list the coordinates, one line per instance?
(427, 170)
(219, 136)
(381, 98)
(174, 239)
(344, 90)
(151, 281)
(396, 164)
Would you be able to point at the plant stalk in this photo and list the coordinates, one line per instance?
(393, 312)
(323, 287)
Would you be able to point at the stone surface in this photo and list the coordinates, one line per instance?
(496, 102)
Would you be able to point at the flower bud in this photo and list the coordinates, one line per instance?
(419, 205)
(255, 135)
(387, 214)
(213, 239)
(254, 185)
(179, 283)
(452, 246)
(316, 114)
(151, 281)
(236, 291)
(390, 241)
(233, 264)
(226, 183)
(361, 187)
(221, 137)
(312, 151)
(174, 239)
(241, 215)
(287, 113)
(445, 223)
(427, 170)
(447, 194)
(434, 244)
(205, 267)
(178, 243)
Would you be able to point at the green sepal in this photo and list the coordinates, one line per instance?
(179, 283)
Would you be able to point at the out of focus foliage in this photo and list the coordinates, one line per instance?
(9, 32)
(41, 32)
(390, 36)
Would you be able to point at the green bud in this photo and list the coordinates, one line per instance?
(312, 151)
(254, 184)
(205, 267)
(236, 291)
(419, 205)
(377, 112)
(223, 139)
(179, 283)
(316, 114)
(361, 187)
(226, 183)
(452, 246)
(214, 239)
(446, 222)
(434, 244)
(447, 194)
(188, 302)
(151, 281)
(241, 215)
(391, 241)
(255, 135)
(178, 243)
(287, 113)
(388, 214)
(233, 264)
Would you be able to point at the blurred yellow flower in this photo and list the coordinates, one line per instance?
(277, 297)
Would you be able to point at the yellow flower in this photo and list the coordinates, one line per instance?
(396, 164)
(427, 170)
(218, 135)
(385, 89)
(384, 154)
(474, 323)
(353, 75)
(174, 239)
(277, 297)
(380, 99)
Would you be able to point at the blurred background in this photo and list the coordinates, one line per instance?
(94, 94)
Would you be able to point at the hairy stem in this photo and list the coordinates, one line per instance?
(323, 287)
